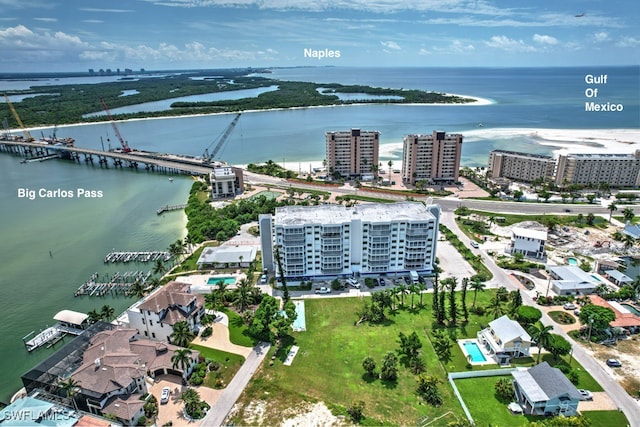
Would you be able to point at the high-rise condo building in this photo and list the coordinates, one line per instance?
(352, 154)
(522, 167)
(617, 170)
(434, 158)
(335, 241)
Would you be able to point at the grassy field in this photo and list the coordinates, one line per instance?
(328, 366)
(606, 418)
(230, 364)
(238, 333)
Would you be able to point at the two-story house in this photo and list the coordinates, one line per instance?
(528, 242)
(505, 338)
(155, 315)
(543, 390)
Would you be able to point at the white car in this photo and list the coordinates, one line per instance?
(569, 306)
(164, 396)
(323, 290)
(263, 279)
(354, 283)
(585, 394)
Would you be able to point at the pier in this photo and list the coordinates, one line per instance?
(169, 208)
(69, 322)
(155, 162)
(152, 256)
(117, 284)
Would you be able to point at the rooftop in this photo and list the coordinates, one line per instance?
(508, 329)
(542, 383)
(622, 320)
(530, 233)
(527, 155)
(571, 276)
(169, 297)
(338, 214)
(619, 276)
(227, 254)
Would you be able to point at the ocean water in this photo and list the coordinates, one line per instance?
(534, 110)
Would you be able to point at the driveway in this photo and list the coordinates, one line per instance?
(172, 410)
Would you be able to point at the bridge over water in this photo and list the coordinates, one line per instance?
(171, 163)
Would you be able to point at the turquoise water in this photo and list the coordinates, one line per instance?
(572, 261)
(227, 280)
(596, 278)
(631, 309)
(300, 324)
(474, 352)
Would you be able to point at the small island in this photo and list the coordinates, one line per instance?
(71, 103)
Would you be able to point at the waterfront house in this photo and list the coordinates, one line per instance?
(571, 280)
(505, 338)
(227, 256)
(155, 315)
(543, 390)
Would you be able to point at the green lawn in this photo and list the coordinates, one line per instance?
(238, 333)
(606, 418)
(485, 409)
(230, 364)
(328, 366)
(585, 380)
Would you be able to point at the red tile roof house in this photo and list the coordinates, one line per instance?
(114, 367)
(628, 321)
(155, 315)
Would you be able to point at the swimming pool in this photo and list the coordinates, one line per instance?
(631, 309)
(228, 280)
(596, 278)
(572, 261)
(300, 324)
(474, 352)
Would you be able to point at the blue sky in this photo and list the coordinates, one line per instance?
(74, 35)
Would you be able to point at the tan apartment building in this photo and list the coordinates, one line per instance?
(434, 158)
(523, 167)
(617, 170)
(352, 153)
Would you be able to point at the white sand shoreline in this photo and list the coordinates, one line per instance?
(477, 102)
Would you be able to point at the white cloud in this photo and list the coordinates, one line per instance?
(544, 39)
(46, 19)
(424, 51)
(22, 38)
(93, 9)
(460, 47)
(509, 45)
(391, 45)
(628, 42)
(601, 36)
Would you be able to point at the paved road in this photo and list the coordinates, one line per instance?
(450, 203)
(219, 410)
(618, 395)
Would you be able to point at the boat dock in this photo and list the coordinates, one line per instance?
(69, 322)
(169, 208)
(114, 257)
(117, 284)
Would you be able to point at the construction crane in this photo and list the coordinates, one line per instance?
(208, 158)
(17, 117)
(125, 146)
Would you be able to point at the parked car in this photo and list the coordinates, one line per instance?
(576, 312)
(354, 283)
(585, 394)
(323, 290)
(382, 282)
(164, 395)
(614, 363)
(475, 244)
(569, 306)
(263, 279)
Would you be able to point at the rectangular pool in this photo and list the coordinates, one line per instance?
(300, 324)
(474, 352)
(228, 280)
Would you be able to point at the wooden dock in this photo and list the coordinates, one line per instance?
(149, 256)
(117, 284)
(169, 208)
(48, 337)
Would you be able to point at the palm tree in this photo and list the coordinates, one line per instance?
(628, 241)
(182, 335)
(390, 164)
(181, 359)
(421, 287)
(190, 397)
(137, 289)
(541, 335)
(243, 295)
(476, 285)
(413, 290)
(107, 313)
(93, 316)
(70, 388)
(402, 290)
(628, 214)
(159, 267)
(495, 307)
(612, 207)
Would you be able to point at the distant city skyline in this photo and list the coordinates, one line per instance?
(76, 35)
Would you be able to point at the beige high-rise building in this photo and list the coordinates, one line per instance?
(522, 167)
(352, 153)
(617, 170)
(434, 158)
